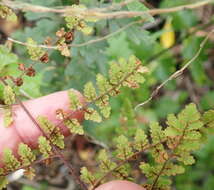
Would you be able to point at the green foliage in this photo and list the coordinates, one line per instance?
(138, 6)
(9, 95)
(200, 172)
(10, 161)
(26, 154)
(3, 182)
(124, 149)
(35, 52)
(140, 139)
(8, 117)
(8, 61)
(74, 100)
(7, 13)
(93, 115)
(44, 146)
(207, 100)
(105, 163)
(74, 126)
(9, 99)
(74, 22)
(90, 91)
(208, 119)
(53, 132)
(170, 146)
(87, 176)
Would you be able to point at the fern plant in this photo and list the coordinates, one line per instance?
(168, 148)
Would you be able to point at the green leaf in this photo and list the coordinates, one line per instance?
(3, 182)
(102, 84)
(115, 72)
(157, 133)
(87, 176)
(119, 46)
(9, 95)
(74, 126)
(186, 158)
(50, 129)
(105, 111)
(90, 91)
(26, 154)
(105, 163)
(10, 161)
(35, 52)
(74, 100)
(191, 117)
(147, 169)
(124, 149)
(93, 115)
(173, 169)
(139, 6)
(44, 147)
(207, 101)
(6, 59)
(8, 117)
(141, 140)
(208, 118)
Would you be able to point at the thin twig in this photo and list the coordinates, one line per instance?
(159, 174)
(116, 5)
(95, 13)
(31, 45)
(81, 44)
(177, 73)
(107, 36)
(120, 14)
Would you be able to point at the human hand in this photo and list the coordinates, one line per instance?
(120, 185)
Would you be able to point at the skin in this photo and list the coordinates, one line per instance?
(24, 130)
(120, 185)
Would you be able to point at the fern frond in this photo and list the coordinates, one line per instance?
(55, 136)
(3, 182)
(87, 177)
(26, 154)
(7, 13)
(93, 115)
(140, 140)
(124, 149)
(74, 100)
(44, 147)
(11, 163)
(90, 92)
(208, 120)
(9, 95)
(34, 51)
(105, 162)
(74, 126)
(8, 116)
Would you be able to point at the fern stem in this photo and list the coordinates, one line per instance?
(123, 162)
(58, 152)
(159, 174)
